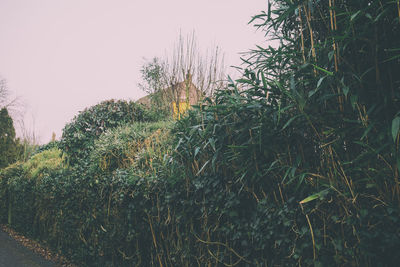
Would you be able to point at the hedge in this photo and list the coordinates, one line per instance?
(295, 164)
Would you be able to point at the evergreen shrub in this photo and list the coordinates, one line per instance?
(79, 135)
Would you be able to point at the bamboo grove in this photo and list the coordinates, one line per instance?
(295, 164)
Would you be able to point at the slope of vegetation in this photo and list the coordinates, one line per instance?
(299, 167)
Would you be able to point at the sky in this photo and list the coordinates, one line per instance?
(61, 56)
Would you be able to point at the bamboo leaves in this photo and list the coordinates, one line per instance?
(395, 127)
(319, 195)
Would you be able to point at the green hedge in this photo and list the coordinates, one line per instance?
(79, 135)
(85, 211)
(295, 164)
(170, 211)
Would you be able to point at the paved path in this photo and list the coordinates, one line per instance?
(13, 254)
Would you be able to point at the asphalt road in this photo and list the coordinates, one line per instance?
(13, 254)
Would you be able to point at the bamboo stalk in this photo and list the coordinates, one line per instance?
(154, 240)
(311, 231)
(396, 172)
(9, 217)
(398, 8)
(241, 258)
(302, 36)
(341, 171)
(335, 24)
(280, 192)
(332, 14)
(308, 19)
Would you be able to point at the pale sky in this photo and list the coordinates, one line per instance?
(61, 56)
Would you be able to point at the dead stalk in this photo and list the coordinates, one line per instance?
(154, 240)
(398, 8)
(308, 19)
(302, 36)
(311, 231)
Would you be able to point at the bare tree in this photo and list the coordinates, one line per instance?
(3, 93)
(188, 63)
(13, 105)
(184, 74)
(17, 110)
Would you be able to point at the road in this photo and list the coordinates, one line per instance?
(13, 254)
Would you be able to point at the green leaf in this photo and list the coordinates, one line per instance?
(392, 58)
(355, 15)
(196, 151)
(395, 127)
(212, 143)
(398, 164)
(264, 81)
(309, 198)
(204, 165)
(330, 55)
(289, 121)
(247, 81)
(292, 83)
(353, 101)
(320, 81)
(346, 91)
(367, 131)
(320, 195)
(323, 70)
(312, 92)
(269, 11)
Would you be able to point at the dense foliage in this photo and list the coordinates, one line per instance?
(46, 199)
(79, 135)
(299, 167)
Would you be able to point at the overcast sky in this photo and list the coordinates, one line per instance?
(61, 56)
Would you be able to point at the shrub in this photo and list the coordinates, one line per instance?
(42, 163)
(78, 136)
(21, 192)
(48, 146)
(124, 146)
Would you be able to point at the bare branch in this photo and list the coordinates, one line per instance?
(185, 74)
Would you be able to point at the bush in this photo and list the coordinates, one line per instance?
(20, 186)
(78, 136)
(42, 163)
(124, 146)
(48, 146)
(82, 211)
